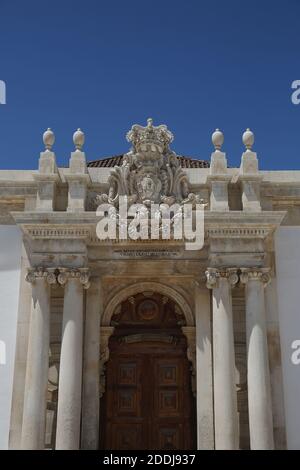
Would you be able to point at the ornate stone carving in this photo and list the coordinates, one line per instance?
(257, 274)
(211, 278)
(82, 274)
(136, 288)
(47, 273)
(190, 334)
(214, 274)
(106, 332)
(59, 275)
(150, 173)
(149, 337)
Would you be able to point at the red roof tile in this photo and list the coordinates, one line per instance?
(110, 162)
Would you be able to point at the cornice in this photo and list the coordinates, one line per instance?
(242, 224)
(81, 225)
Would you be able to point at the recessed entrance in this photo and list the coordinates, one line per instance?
(148, 401)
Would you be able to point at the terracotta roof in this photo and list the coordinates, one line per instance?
(109, 162)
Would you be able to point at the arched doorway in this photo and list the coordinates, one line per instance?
(148, 401)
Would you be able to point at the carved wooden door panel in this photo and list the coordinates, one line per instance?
(126, 423)
(171, 413)
(148, 403)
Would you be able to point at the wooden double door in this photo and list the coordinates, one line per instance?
(148, 402)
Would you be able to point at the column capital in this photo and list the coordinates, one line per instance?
(214, 274)
(48, 274)
(80, 274)
(256, 274)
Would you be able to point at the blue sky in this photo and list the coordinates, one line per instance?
(193, 65)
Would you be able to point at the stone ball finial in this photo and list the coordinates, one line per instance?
(248, 139)
(48, 139)
(78, 139)
(217, 139)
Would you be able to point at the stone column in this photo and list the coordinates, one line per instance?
(70, 370)
(225, 397)
(259, 392)
(34, 411)
(24, 312)
(204, 380)
(91, 373)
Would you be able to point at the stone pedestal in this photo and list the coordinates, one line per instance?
(46, 178)
(218, 180)
(225, 397)
(78, 180)
(250, 180)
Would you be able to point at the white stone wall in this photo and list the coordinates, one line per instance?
(287, 246)
(10, 258)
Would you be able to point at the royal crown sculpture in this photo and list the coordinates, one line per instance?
(150, 172)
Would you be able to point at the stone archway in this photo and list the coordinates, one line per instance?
(136, 288)
(149, 333)
(147, 286)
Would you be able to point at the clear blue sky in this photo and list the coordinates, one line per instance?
(194, 65)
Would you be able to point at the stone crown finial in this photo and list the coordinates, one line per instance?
(152, 138)
(248, 139)
(78, 139)
(217, 139)
(48, 139)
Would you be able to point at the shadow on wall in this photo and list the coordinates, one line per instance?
(2, 353)
(9, 254)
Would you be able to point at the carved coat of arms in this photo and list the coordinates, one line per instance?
(150, 172)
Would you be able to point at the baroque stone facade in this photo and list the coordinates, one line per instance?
(77, 283)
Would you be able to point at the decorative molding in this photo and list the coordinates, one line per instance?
(234, 275)
(190, 334)
(59, 232)
(59, 275)
(256, 274)
(105, 334)
(48, 274)
(238, 232)
(80, 274)
(81, 225)
(149, 337)
(214, 274)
